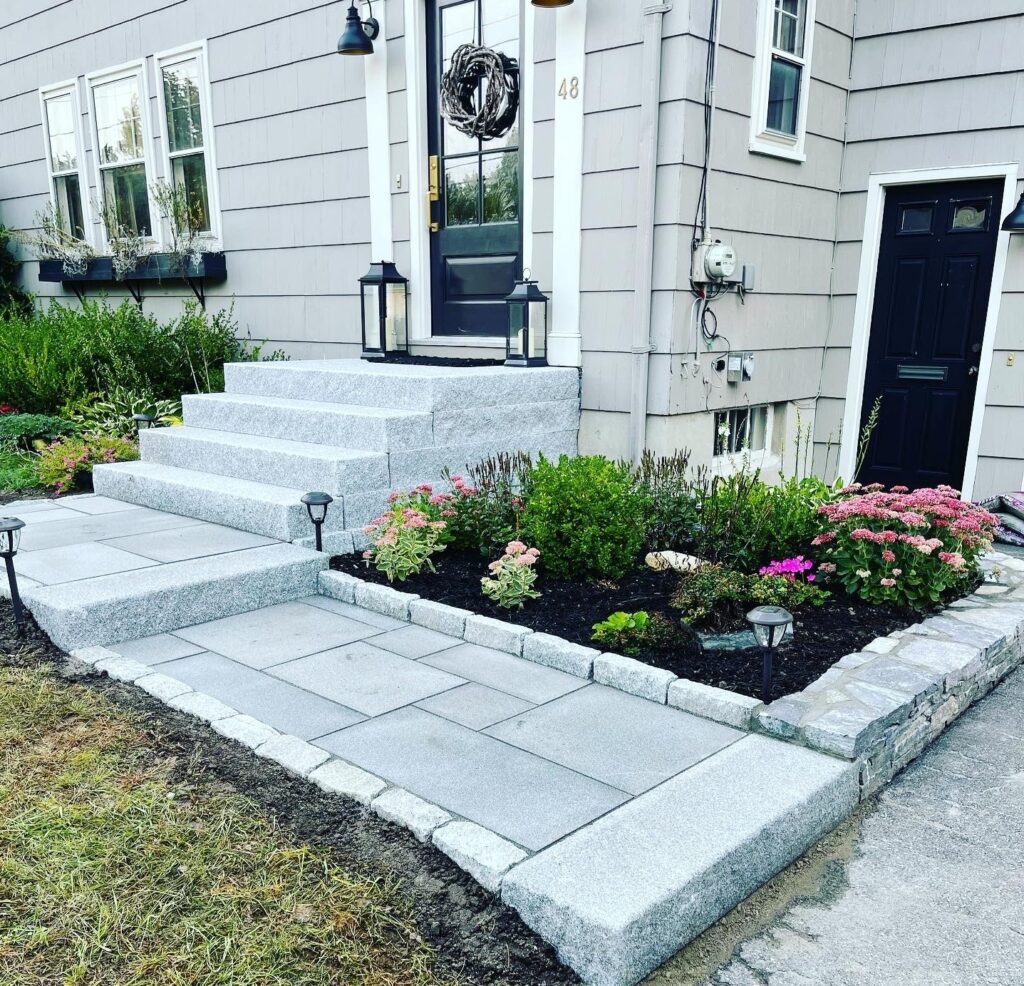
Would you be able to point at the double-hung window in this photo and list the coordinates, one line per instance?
(62, 130)
(185, 122)
(782, 68)
(120, 127)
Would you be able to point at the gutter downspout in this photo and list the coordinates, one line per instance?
(650, 103)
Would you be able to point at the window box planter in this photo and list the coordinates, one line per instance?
(155, 267)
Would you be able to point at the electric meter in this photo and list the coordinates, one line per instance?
(719, 261)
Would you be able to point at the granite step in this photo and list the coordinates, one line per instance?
(314, 422)
(128, 605)
(262, 508)
(390, 385)
(292, 464)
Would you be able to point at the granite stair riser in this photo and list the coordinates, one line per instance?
(309, 420)
(280, 463)
(130, 605)
(416, 388)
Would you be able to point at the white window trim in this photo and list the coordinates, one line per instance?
(136, 69)
(161, 60)
(763, 140)
(70, 87)
(730, 462)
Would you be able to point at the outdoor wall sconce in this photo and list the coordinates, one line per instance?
(10, 538)
(770, 624)
(546, 4)
(384, 296)
(316, 507)
(359, 35)
(1014, 222)
(143, 421)
(527, 337)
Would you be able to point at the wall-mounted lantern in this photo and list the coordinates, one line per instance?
(384, 297)
(551, 4)
(316, 506)
(10, 539)
(527, 336)
(359, 35)
(1014, 222)
(770, 624)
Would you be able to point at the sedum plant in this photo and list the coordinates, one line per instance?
(406, 536)
(512, 577)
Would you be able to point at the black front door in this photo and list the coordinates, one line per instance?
(931, 294)
(476, 236)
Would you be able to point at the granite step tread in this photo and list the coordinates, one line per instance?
(284, 462)
(128, 605)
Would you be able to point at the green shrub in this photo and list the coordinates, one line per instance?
(60, 355)
(632, 633)
(13, 299)
(17, 468)
(586, 516)
(61, 463)
(484, 508)
(714, 595)
(26, 429)
(674, 519)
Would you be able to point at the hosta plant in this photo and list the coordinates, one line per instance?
(631, 633)
(512, 577)
(906, 548)
(406, 536)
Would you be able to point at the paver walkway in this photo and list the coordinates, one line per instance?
(935, 891)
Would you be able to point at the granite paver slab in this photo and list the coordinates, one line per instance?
(415, 642)
(366, 678)
(622, 740)
(195, 541)
(75, 562)
(475, 706)
(505, 672)
(90, 503)
(367, 616)
(158, 648)
(277, 703)
(526, 799)
(276, 634)
(82, 527)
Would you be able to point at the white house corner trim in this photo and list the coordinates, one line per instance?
(418, 181)
(564, 342)
(871, 246)
(378, 144)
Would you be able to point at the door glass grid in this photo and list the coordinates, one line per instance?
(481, 177)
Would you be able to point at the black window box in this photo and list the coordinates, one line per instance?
(154, 267)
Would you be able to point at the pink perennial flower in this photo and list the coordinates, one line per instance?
(794, 569)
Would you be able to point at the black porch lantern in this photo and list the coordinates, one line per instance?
(10, 539)
(316, 506)
(1014, 222)
(143, 421)
(770, 624)
(384, 297)
(527, 339)
(359, 35)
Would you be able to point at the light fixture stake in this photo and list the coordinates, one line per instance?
(10, 535)
(316, 506)
(770, 624)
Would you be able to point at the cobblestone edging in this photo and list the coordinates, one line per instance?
(881, 707)
(485, 855)
(613, 670)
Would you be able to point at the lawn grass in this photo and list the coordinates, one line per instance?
(17, 470)
(114, 871)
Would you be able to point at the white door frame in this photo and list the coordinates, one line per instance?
(421, 314)
(871, 244)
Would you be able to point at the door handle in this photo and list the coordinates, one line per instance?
(971, 371)
(433, 191)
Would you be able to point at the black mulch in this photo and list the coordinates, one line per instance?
(477, 938)
(570, 609)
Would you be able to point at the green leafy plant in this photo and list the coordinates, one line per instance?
(486, 504)
(632, 633)
(62, 462)
(12, 297)
(113, 415)
(673, 521)
(17, 468)
(405, 536)
(28, 430)
(512, 577)
(586, 515)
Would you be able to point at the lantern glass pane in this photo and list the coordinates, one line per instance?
(538, 328)
(762, 634)
(371, 316)
(516, 328)
(395, 324)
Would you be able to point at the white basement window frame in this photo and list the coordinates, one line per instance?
(123, 145)
(743, 433)
(64, 150)
(782, 78)
(186, 129)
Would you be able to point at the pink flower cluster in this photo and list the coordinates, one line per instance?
(462, 488)
(794, 569)
(516, 553)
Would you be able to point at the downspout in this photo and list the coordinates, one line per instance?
(650, 102)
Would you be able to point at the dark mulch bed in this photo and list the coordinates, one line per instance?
(570, 609)
(477, 938)
(32, 493)
(410, 360)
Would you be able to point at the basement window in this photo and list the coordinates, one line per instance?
(740, 430)
(782, 72)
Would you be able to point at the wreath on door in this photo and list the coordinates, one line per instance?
(486, 112)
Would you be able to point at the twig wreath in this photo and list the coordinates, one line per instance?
(460, 90)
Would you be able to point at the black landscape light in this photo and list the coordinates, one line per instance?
(316, 506)
(384, 300)
(10, 538)
(1014, 222)
(770, 624)
(526, 340)
(143, 421)
(359, 35)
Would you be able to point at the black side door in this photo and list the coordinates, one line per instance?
(476, 234)
(931, 295)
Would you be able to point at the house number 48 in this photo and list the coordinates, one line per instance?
(570, 88)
